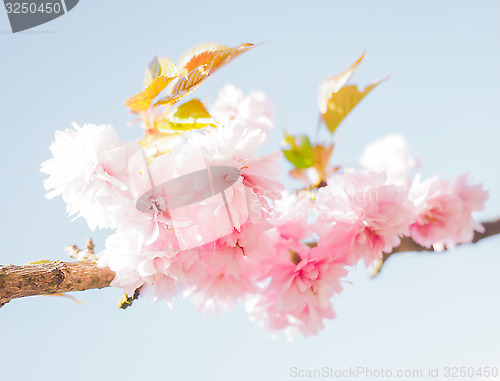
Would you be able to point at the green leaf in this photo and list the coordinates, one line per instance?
(298, 151)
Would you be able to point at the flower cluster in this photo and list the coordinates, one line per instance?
(210, 220)
(444, 211)
(364, 214)
(297, 280)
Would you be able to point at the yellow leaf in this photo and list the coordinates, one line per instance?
(160, 74)
(192, 109)
(342, 102)
(334, 84)
(199, 63)
(166, 127)
(191, 115)
(159, 66)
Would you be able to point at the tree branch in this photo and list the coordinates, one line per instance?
(51, 278)
(408, 245)
(46, 278)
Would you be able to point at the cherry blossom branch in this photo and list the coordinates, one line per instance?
(408, 245)
(46, 278)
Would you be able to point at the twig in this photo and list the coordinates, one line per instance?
(408, 245)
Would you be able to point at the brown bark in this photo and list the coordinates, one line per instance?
(47, 278)
(51, 278)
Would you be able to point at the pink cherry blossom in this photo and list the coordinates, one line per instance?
(252, 111)
(444, 211)
(135, 266)
(209, 251)
(226, 279)
(301, 283)
(297, 281)
(89, 170)
(363, 212)
(390, 154)
(292, 214)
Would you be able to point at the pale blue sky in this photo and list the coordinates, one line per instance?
(424, 310)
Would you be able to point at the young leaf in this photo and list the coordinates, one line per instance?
(342, 102)
(320, 171)
(184, 78)
(160, 73)
(158, 67)
(321, 156)
(185, 85)
(212, 55)
(200, 63)
(191, 115)
(330, 86)
(298, 151)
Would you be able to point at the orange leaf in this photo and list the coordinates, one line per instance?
(321, 156)
(199, 63)
(185, 85)
(161, 72)
(212, 55)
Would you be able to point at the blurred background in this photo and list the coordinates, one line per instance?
(422, 311)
